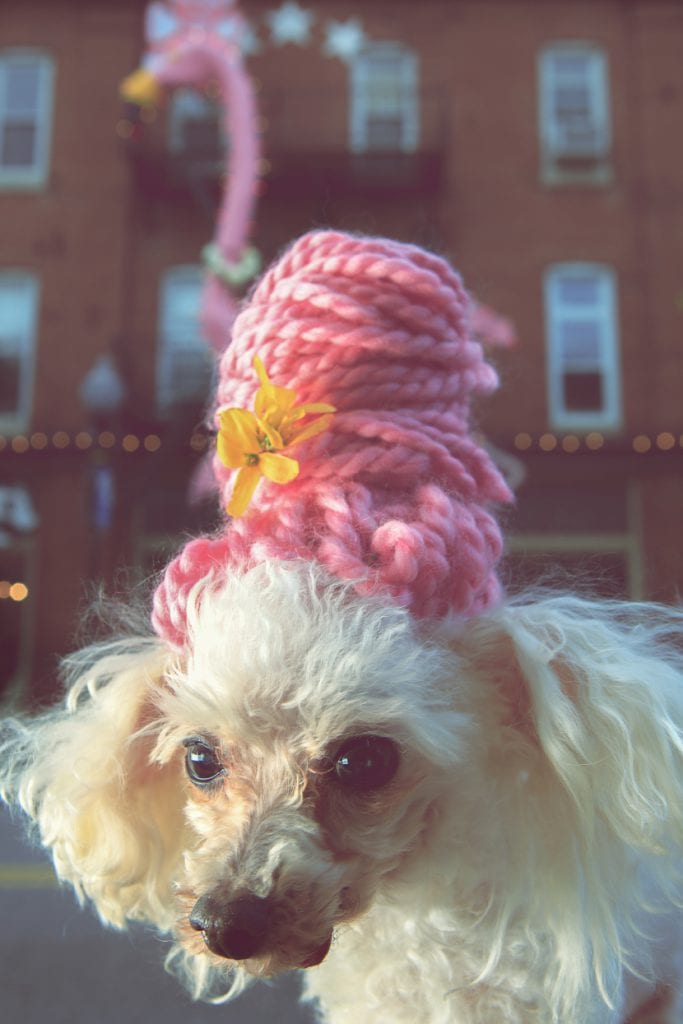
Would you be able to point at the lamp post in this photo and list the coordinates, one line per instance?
(103, 394)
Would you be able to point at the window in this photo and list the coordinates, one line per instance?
(574, 118)
(582, 357)
(384, 100)
(609, 574)
(25, 118)
(591, 545)
(194, 126)
(18, 316)
(185, 363)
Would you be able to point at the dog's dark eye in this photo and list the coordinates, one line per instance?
(366, 763)
(202, 762)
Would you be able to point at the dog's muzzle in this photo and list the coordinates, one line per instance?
(241, 929)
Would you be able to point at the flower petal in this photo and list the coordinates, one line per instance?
(309, 430)
(238, 427)
(266, 408)
(271, 402)
(242, 493)
(261, 371)
(279, 468)
(274, 400)
(300, 411)
(316, 407)
(228, 452)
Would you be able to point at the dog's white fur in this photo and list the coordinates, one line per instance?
(523, 866)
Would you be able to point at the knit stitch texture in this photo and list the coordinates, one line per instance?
(395, 496)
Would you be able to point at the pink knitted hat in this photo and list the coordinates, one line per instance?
(393, 494)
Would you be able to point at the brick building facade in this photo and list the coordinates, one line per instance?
(536, 143)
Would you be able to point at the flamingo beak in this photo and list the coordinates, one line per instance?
(141, 88)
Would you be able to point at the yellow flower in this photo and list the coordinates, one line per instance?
(253, 442)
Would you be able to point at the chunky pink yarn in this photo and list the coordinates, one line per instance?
(394, 496)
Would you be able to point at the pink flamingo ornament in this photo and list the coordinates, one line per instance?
(191, 43)
(491, 328)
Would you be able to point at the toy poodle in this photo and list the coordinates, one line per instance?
(342, 748)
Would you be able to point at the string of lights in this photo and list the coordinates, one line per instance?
(61, 440)
(641, 444)
(13, 591)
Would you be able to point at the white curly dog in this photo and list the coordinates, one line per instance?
(344, 750)
(476, 822)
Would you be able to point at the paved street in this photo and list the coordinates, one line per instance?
(59, 966)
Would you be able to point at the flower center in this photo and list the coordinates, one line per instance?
(265, 443)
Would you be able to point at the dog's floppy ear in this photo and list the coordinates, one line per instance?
(85, 773)
(583, 701)
(605, 688)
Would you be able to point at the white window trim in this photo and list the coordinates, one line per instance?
(17, 511)
(592, 166)
(410, 100)
(164, 373)
(35, 177)
(13, 423)
(610, 417)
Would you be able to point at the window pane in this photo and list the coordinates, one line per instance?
(578, 291)
(18, 145)
(572, 100)
(22, 89)
(580, 342)
(25, 118)
(583, 392)
(188, 103)
(195, 126)
(583, 366)
(384, 85)
(384, 104)
(186, 364)
(574, 107)
(383, 97)
(388, 62)
(571, 65)
(384, 132)
(182, 309)
(16, 312)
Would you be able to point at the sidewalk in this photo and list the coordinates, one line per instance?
(59, 966)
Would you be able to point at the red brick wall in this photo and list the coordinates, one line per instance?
(100, 244)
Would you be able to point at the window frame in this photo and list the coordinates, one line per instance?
(609, 417)
(360, 109)
(164, 398)
(32, 176)
(560, 164)
(20, 419)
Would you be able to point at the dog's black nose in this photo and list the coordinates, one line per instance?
(235, 930)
